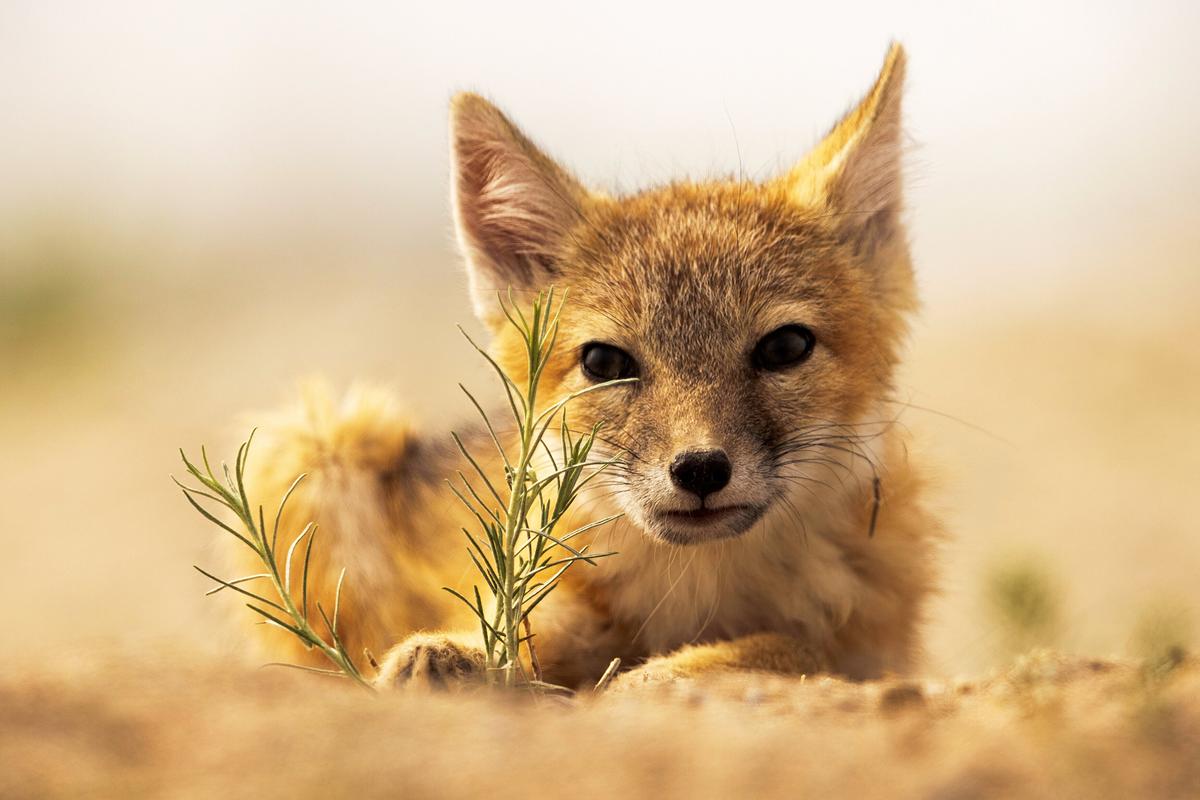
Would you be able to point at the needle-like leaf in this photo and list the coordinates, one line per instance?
(519, 535)
(284, 610)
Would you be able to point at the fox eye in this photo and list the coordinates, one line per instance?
(603, 362)
(784, 347)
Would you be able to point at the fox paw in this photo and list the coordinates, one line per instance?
(656, 671)
(432, 661)
(757, 653)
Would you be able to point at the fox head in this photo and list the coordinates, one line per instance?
(761, 320)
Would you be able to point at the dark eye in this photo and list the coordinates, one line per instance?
(784, 347)
(603, 362)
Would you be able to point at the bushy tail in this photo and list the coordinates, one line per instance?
(356, 454)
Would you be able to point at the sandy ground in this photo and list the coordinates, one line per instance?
(1046, 727)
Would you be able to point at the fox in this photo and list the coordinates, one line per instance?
(772, 517)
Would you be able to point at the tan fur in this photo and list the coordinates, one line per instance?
(686, 278)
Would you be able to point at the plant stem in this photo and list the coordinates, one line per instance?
(517, 556)
(232, 495)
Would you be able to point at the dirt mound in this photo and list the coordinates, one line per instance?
(1049, 726)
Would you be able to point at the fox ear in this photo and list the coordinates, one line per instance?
(512, 204)
(855, 172)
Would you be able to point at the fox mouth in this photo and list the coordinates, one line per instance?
(703, 514)
(703, 524)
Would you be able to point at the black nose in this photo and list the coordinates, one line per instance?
(701, 472)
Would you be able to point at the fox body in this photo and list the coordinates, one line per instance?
(771, 518)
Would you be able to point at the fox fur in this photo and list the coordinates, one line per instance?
(830, 568)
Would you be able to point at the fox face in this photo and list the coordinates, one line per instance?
(760, 320)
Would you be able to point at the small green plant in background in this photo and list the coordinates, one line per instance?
(54, 313)
(1025, 602)
(1161, 638)
(1160, 641)
(517, 550)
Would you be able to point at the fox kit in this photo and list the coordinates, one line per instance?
(771, 518)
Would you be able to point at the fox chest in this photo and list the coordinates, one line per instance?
(669, 597)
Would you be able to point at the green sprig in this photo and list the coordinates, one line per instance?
(287, 611)
(515, 549)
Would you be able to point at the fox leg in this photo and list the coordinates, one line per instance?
(760, 652)
(440, 661)
(571, 645)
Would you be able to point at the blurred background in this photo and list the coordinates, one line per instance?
(201, 204)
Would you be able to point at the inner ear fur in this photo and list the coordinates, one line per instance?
(513, 204)
(855, 173)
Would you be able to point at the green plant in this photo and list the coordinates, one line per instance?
(1161, 637)
(289, 612)
(517, 550)
(1024, 600)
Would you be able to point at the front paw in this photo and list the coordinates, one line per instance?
(757, 653)
(655, 671)
(432, 661)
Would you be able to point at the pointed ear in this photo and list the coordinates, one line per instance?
(512, 204)
(855, 172)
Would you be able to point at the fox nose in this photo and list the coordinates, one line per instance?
(701, 472)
